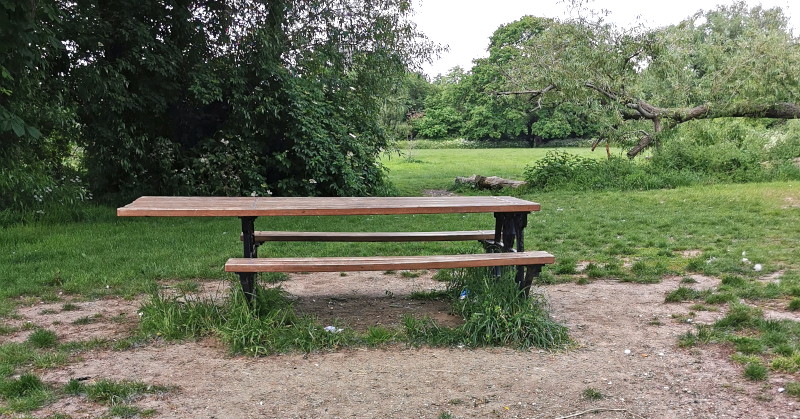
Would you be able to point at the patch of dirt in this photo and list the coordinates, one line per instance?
(654, 379)
(437, 192)
(690, 253)
(363, 299)
(111, 318)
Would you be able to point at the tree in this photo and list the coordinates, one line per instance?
(729, 62)
(35, 121)
(466, 104)
(232, 97)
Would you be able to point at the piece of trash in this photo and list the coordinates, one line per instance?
(757, 267)
(745, 260)
(333, 329)
(627, 352)
(781, 390)
(464, 294)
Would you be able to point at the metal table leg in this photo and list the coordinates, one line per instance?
(510, 234)
(248, 279)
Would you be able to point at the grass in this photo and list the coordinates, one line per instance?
(414, 170)
(592, 394)
(631, 236)
(760, 344)
(43, 338)
(118, 395)
(494, 314)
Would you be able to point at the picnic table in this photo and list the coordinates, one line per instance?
(504, 244)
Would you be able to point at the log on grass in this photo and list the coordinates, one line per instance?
(489, 182)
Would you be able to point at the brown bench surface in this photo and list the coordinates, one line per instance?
(191, 206)
(411, 236)
(384, 263)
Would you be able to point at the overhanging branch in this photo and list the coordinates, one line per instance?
(526, 92)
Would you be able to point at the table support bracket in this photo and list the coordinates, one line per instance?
(248, 279)
(509, 236)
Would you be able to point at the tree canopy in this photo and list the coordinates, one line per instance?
(733, 61)
(209, 97)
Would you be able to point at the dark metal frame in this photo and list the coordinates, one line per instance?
(508, 237)
(248, 279)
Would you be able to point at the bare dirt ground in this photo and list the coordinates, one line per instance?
(655, 379)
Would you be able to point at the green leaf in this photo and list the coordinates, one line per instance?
(18, 127)
(33, 132)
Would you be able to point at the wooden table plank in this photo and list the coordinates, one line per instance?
(177, 206)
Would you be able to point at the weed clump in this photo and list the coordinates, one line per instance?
(684, 294)
(496, 313)
(755, 372)
(43, 338)
(592, 394)
(794, 304)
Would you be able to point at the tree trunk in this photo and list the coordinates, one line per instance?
(491, 182)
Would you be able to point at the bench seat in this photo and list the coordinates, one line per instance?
(385, 263)
(326, 236)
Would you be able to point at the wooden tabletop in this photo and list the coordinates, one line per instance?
(192, 206)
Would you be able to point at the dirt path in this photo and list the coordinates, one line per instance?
(656, 379)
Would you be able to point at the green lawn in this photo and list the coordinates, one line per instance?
(415, 170)
(127, 255)
(115, 255)
(630, 236)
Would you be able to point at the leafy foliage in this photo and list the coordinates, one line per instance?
(202, 97)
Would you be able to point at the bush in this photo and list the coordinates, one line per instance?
(731, 150)
(459, 143)
(30, 190)
(562, 170)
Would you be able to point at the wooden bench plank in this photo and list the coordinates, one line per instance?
(384, 263)
(417, 236)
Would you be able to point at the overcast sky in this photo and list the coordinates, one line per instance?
(465, 25)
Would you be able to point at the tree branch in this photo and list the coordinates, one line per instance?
(526, 92)
(644, 142)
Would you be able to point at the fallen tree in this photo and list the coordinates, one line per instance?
(489, 182)
(731, 62)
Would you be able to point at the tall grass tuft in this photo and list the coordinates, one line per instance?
(496, 313)
(269, 325)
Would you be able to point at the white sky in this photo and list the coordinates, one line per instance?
(465, 25)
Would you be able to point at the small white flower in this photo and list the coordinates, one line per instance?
(224, 141)
(312, 181)
(254, 193)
